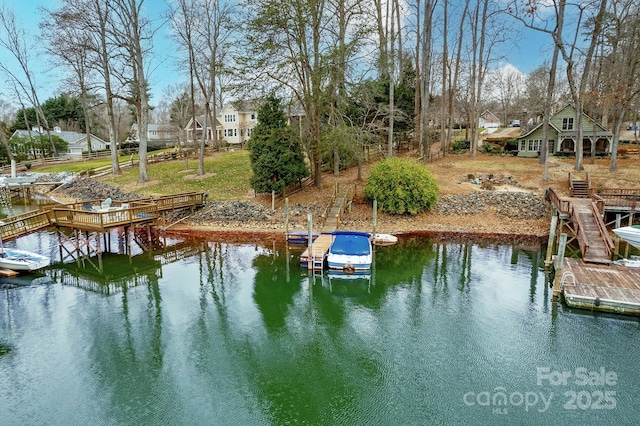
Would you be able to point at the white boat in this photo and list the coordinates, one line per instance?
(384, 239)
(634, 262)
(350, 252)
(630, 234)
(22, 260)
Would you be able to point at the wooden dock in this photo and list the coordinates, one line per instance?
(611, 288)
(314, 255)
(89, 220)
(585, 222)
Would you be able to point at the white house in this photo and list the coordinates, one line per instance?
(234, 124)
(77, 142)
(488, 120)
(166, 134)
(238, 119)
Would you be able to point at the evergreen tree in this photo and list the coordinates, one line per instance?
(275, 151)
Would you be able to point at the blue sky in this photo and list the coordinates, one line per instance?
(526, 53)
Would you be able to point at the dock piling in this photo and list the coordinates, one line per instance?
(550, 243)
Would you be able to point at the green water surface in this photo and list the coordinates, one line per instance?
(212, 333)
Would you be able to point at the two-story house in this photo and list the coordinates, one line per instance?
(234, 124)
(563, 133)
(237, 119)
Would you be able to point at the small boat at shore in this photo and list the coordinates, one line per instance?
(22, 260)
(630, 234)
(300, 237)
(350, 252)
(384, 239)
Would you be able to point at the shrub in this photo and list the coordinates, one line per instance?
(460, 145)
(401, 186)
(489, 148)
(511, 145)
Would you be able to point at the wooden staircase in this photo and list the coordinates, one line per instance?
(580, 188)
(595, 244)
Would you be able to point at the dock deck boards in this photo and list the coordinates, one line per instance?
(612, 288)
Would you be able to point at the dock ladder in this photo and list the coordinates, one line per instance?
(317, 262)
(565, 276)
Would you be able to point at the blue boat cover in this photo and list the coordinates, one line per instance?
(351, 243)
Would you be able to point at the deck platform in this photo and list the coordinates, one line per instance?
(611, 288)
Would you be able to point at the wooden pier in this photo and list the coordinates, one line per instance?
(91, 220)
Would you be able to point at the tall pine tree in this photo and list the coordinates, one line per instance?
(275, 151)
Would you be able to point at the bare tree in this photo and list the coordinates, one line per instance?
(618, 82)
(14, 40)
(67, 45)
(203, 28)
(89, 31)
(133, 33)
(488, 29)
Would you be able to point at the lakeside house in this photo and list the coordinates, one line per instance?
(77, 142)
(563, 134)
(234, 124)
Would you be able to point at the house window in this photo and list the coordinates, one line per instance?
(523, 145)
(567, 124)
(249, 132)
(531, 144)
(229, 118)
(253, 115)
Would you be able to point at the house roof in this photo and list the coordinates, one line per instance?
(489, 116)
(538, 127)
(72, 138)
(243, 105)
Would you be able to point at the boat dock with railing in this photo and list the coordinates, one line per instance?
(592, 281)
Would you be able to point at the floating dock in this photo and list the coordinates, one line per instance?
(611, 288)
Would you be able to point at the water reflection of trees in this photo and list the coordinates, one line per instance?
(274, 289)
(126, 352)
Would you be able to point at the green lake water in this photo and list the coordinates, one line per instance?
(209, 333)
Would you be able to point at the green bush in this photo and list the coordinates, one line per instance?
(401, 186)
(460, 145)
(489, 148)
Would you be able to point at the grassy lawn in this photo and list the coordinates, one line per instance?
(226, 177)
(81, 166)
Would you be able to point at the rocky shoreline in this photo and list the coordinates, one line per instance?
(497, 215)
